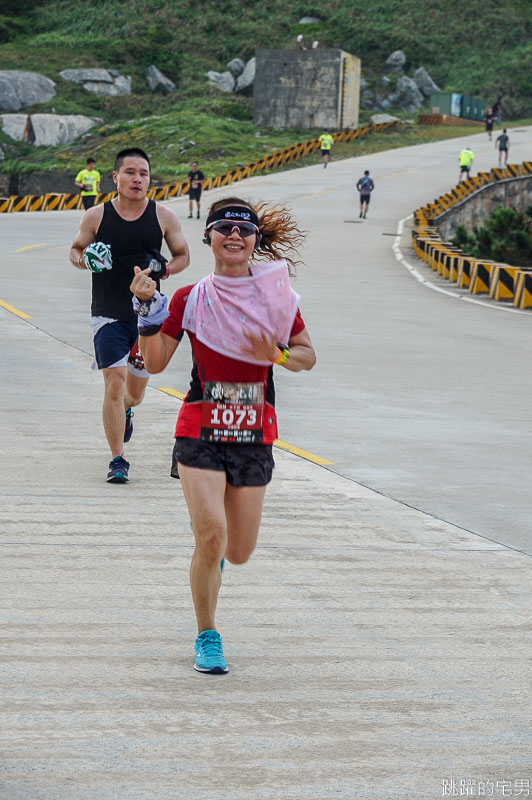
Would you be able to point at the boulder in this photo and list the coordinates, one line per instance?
(120, 85)
(236, 66)
(309, 21)
(395, 62)
(424, 82)
(19, 89)
(45, 129)
(2, 155)
(159, 82)
(379, 119)
(100, 81)
(408, 95)
(94, 75)
(222, 80)
(244, 82)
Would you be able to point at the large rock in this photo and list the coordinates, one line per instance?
(309, 21)
(244, 82)
(45, 129)
(236, 66)
(159, 82)
(395, 62)
(424, 82)
(408, 95)
(378, 119)
(119, 86)
(93, 74)
(2, 155)
(19, 89)
(107, 83)
(224, 81)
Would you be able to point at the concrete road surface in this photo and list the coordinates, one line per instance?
(377, 640)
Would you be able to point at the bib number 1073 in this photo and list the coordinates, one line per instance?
(232, 413)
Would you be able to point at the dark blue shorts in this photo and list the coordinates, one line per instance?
(243, 464)
(113, 343)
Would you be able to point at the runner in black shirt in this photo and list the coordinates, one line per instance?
(196, 179)
(489, 119)
(502, 144)
(113, 239)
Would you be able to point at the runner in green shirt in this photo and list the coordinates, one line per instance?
(89, 182)
(466, 162)
(326, 142)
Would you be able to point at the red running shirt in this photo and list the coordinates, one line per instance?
(211, 366)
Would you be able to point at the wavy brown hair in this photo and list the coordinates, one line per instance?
(281, 236)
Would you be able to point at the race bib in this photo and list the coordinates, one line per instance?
(232, 412)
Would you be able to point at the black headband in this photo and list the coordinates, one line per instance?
(236, 213)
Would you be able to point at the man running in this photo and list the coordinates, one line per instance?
(196, 180)
(502, 144)
(466, 162)
(227, 423)
(326, 142)
(113, 239)
(489, 119)
(365, 186)
(89, 182)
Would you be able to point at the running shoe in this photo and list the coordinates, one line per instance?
(222, 564)
(118, 470)
(190, 216)
(128, 432)
(360, 215)
(197, 215)
(209, 654)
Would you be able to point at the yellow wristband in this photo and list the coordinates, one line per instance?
(282, 358)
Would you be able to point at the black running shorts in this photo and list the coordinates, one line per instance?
(243, 464)
(364, 198)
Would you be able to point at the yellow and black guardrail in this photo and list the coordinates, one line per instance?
(479, 276)
(64, 202)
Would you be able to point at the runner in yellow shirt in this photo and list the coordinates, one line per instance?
(326, 142)
(466, 162)
(89, 182)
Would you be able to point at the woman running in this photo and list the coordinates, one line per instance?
(241, 320)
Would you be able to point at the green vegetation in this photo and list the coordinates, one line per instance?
(482, 49)
(505, 236)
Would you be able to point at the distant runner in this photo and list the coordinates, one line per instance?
(502, 144)
(466, 162)
(196, 179)
(365, 186)
(326, 142)
(88, 181)
(489, 119)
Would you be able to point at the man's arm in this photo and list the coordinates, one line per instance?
(175, 239)
(90, 222)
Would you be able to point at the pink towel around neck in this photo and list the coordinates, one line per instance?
(219, 309)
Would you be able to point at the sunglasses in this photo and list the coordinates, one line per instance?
(226, 228)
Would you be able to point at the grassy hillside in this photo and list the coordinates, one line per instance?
(481, 48)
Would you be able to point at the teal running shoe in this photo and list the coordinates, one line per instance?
(118, 470)
(209, 654)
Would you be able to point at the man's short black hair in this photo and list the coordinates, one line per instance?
(91, 161)
(130, 151)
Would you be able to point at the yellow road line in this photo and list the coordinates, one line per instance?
(14, 310)
(173, 392)
(297, 451)
(30, 247)
(317, 194)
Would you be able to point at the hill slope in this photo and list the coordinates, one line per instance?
(481, 48)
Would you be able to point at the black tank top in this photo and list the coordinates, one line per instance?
(133, 243)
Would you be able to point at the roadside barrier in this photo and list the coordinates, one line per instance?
(502, 282)
(64, 202)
